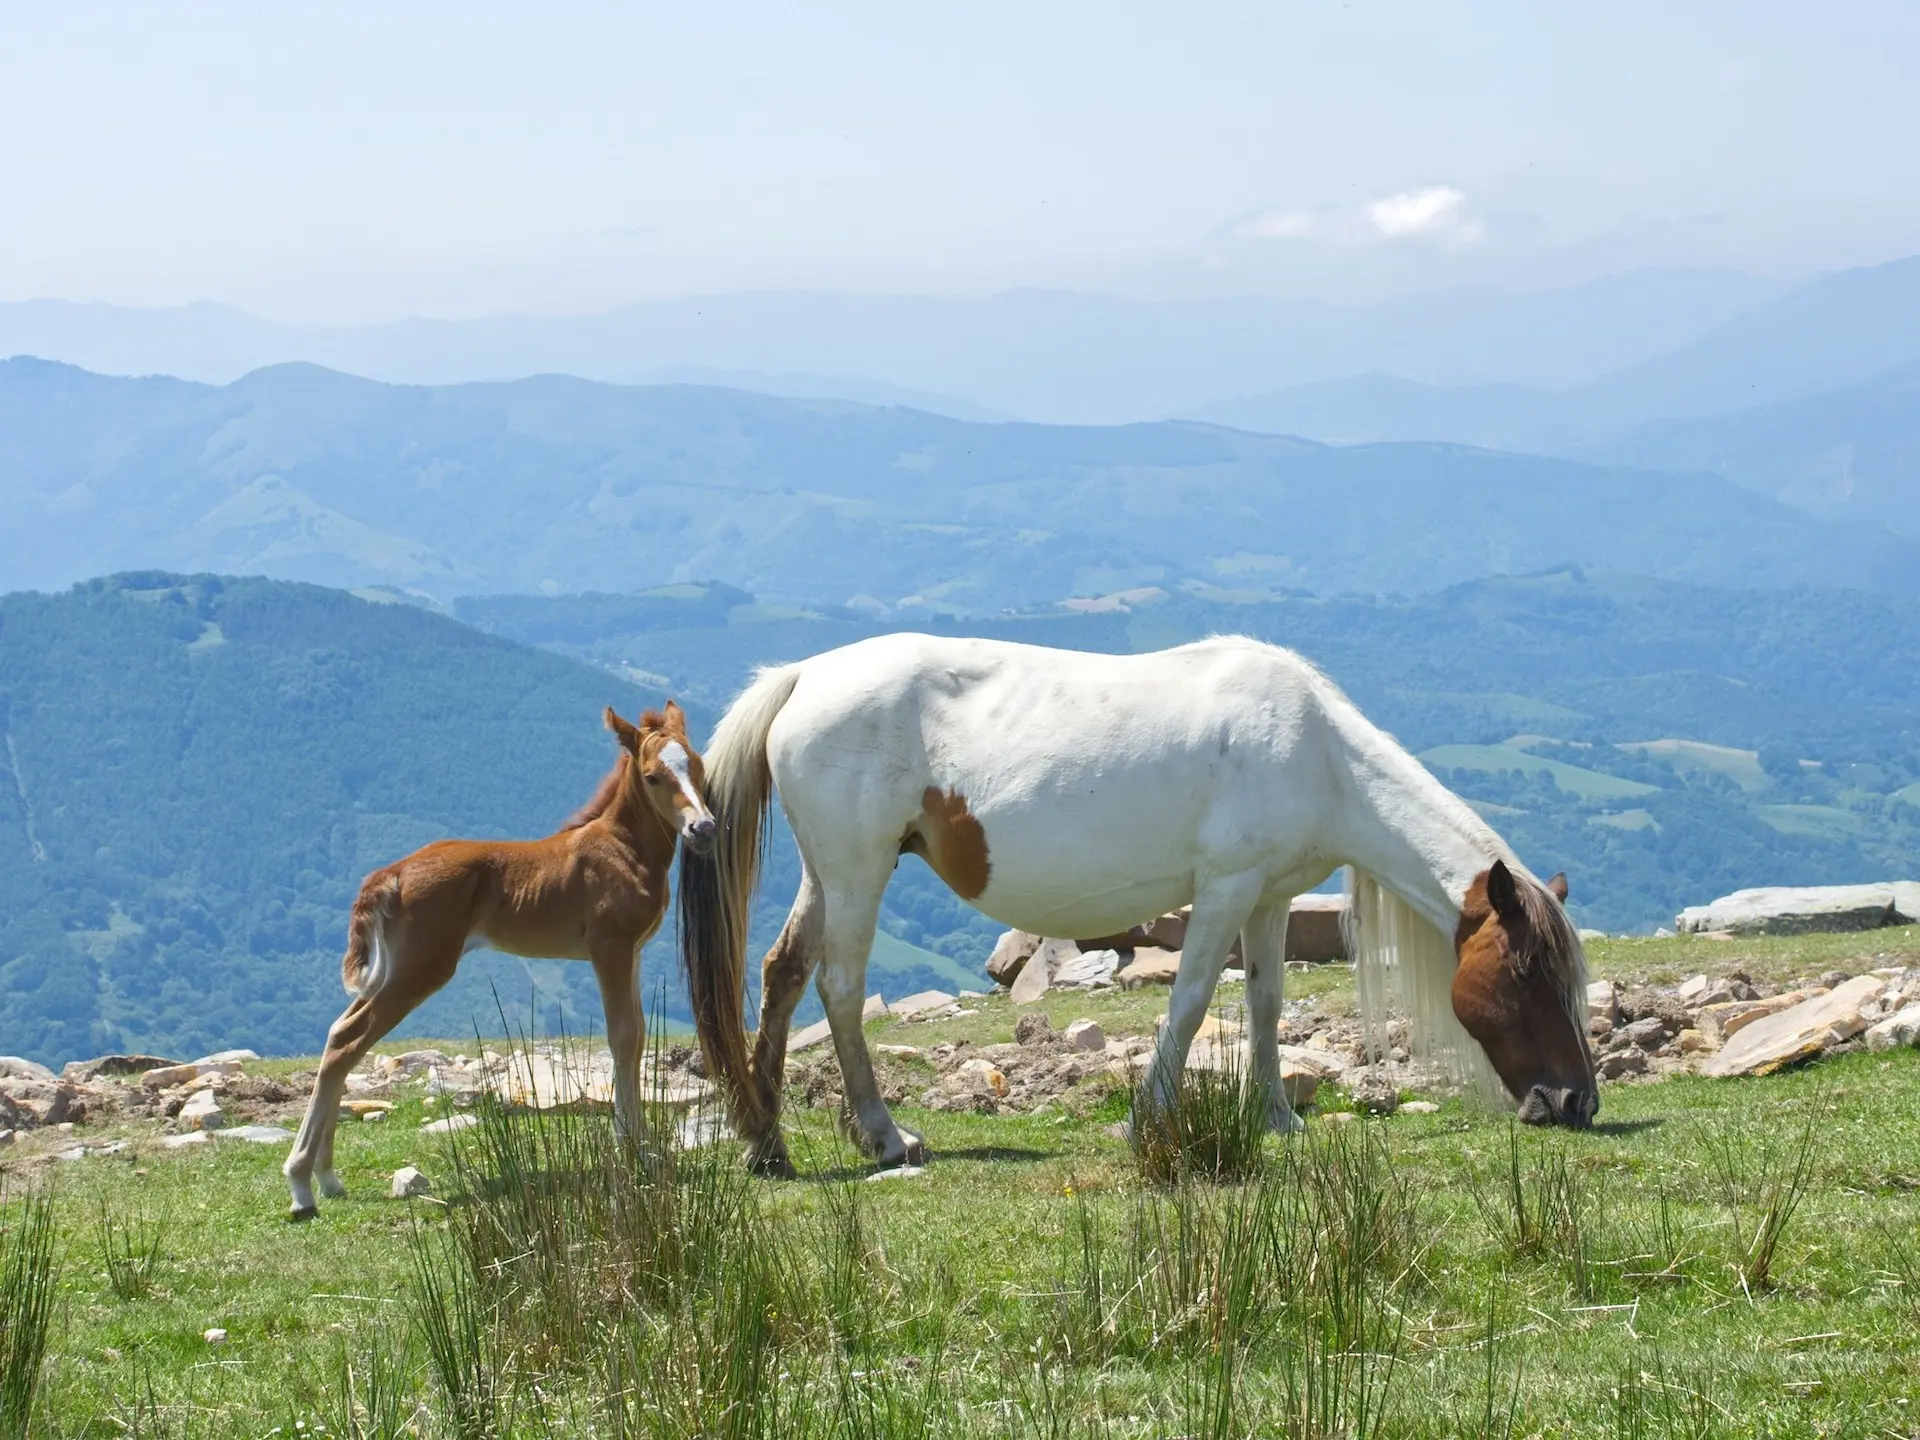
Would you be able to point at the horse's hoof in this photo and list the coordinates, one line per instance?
(914, 1152)
(301, 1213)
(1288, 1124)
(332, 1186)
(772, 1165)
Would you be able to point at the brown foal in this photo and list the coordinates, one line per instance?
(594, 891)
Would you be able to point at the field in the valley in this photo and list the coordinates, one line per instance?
(1715, 1258)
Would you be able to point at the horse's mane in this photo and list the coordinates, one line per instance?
(605, 797)
(1555, 944)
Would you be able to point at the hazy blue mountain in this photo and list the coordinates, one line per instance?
(1852, 453)
(1834, 332)
(559, 484)
(1039, 354)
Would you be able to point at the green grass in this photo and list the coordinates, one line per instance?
(1715, 1258)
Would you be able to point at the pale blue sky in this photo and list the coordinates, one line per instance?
(348, 161)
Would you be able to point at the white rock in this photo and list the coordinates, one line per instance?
(1233, 976)
(78, 1152)
(13, 1067)
(1603, 1002)
(407, 1180)
(449, 1125)
(1692, 988)
(899, 1172)
(817, 1033)
(981, 1078)
(1900, 1028)
(924, 1003)
(873, 1009)
(1089, 967)
(256, 1134)
(215, 1336)
(227, 1057)
(201, 1112)
(899, 1052)
(1801, 909)
(1085, 1035)
(192, 1137)
(1419, 1107)
(1010, 954)
(1037, 975)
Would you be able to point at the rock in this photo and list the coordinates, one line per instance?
(227, 1057)
(1088, 968)
(1150, 965)
(1692, 988)
(6, 1138)
(181, 1142)
(1375, 1093)
(1587, 937)
(900, 1052)
(12, 1067)
(1796, 1033)
(1599, 1027)
(1132, 938)
(1033, 1030)
(1300, 1083)
(1316, 931)
(1616, 1064)
(1800, 910)
(817, 1033)
(923, 1003)
(449, 1125)
(1644, 1003)
(78, 1152)
(872, 1009)
(165, 1077)
(201, 1112)
(1603, 1002)
(255, 1134)
(1832, 980)
(408, 1181)
(1898, 1029)
(899, 1172)
(1420, 1107)
(1649, 1034)
(31, 1103)
(1085, 1035)
(113, 1065)
(1725, 1020)
(1010, 954)
(1324, 1063)
(1036, 977)
(360, 1109)
(1694, 1042)
(979, 1077)
(215, 1336)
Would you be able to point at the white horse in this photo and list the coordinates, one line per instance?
(1066, 793)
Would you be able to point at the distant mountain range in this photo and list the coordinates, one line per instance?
(1041, 355)
(560, 484)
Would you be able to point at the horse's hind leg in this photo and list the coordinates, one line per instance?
(364, 1022)
(1263, 940)
(783, 978)
(852, 911)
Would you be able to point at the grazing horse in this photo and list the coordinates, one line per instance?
(1066, 793)
(594, 891)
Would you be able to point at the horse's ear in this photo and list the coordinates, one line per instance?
(1502, 892)
(628, 736)
(1557, 887)
(676, 717)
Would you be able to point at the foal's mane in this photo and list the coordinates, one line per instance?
(606, 797)
(1554, 944)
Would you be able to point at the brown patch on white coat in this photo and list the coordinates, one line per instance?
(946, 835)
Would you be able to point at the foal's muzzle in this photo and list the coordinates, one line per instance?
(700, 836)
(1547, 1105)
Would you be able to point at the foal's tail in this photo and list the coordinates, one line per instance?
(363, 970)
(716, 890)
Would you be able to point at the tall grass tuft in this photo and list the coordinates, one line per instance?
(29, 1275)
(461, 1327)
(1542, 1210)
(1761, 1186)
(1213, 1126)
(373, 1396)
(130, 1251)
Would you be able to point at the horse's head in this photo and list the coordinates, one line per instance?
(1518, 991)
(671, 777)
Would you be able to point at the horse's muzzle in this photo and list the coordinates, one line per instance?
(1547, 1105)
(700, 836)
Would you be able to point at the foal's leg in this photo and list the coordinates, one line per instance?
(783, 977)
(362, 1024)
(1263, 940)
(851, 913)
(1220, 909)
(616, 965)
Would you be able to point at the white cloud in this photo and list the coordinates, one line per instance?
(1434, 210)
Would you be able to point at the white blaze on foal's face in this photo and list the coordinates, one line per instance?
(682, 801)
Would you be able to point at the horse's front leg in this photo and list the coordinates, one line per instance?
(616, 965)
(1263, 942)
(850, 919)
(1220, 909)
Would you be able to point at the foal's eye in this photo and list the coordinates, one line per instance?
(654, 777)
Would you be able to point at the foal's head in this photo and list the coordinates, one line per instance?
(1519, 991)
(668, 773)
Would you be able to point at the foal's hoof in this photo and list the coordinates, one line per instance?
(301, 1213)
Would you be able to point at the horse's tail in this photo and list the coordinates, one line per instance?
(363, 969)
(716, 890)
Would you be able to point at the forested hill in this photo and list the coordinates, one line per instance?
(197, 772)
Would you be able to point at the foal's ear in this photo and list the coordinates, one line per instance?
(1502, 891)
(627, 735)
(1557, 887)
(676, 717)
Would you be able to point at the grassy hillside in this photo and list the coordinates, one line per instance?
(196, 773)
(1718, 694)
(551, 484)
